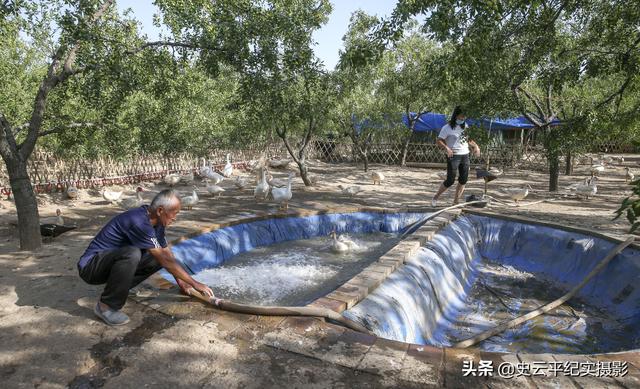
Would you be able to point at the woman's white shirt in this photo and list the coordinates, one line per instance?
(455, 139)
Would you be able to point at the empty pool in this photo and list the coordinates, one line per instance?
(481, 271)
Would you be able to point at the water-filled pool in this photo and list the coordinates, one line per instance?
(480, 271)
(286, 261)
(293, 273)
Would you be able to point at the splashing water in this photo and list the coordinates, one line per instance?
(294, 272)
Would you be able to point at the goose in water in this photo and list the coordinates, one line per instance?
(338, 246)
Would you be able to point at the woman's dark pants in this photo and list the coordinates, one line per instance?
(461, 164)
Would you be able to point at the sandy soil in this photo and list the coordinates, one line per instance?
(50, 338)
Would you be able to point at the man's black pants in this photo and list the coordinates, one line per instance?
(121, 269)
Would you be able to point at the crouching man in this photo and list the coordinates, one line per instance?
(130, 248)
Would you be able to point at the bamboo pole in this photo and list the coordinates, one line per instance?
(501, 202)
(548, 307)
(279, 311)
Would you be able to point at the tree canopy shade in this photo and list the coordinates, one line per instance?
(79, 70)
(576, 61)
(74, 67)
(78, 78)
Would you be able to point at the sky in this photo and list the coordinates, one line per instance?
(329, 38)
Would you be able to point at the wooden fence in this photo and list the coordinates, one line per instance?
(49, 173)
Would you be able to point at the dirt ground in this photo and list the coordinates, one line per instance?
(50, 338)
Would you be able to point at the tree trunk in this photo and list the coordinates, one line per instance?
(554, 170)
(301, 157)
(405, 150)
(568, 164)
(365, 156)
(304, 174)
(26, 205)
(362, 150)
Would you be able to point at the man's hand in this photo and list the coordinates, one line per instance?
(476, 151)
(184, 287)
(449, 152)
(204, 289)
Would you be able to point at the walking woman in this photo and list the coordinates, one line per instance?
(453, 140)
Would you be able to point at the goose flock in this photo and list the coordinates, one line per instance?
(267, 187)
(279, 190)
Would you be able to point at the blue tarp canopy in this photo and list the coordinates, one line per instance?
(435, 121)
(361, 125)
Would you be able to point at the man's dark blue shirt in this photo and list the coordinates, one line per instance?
(131, 228)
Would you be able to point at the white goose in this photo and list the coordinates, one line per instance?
(72, 192)
(58, 219)
(628, 175)
(597, 168)
(241, 183)
(172, 179)
(204, 169)
(262, 188)
(133, 202)
(350, 190)
(349, 242)
(495, 171)
(278, 163)
(377, 177)
(588, 188)
(187, 178)
(276, 182)
(189, 201)
(228, 168)
(517, 194)
(213, 176)
(110, 195)
(215, 190)
(283, 195)
(338, 246)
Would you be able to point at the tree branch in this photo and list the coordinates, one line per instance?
(7, 148)
(51, 81)
(170, 44)
(59, 129)
(306, 139)
(537, 123)
(282, 133)
(548, 98)
(619, 92)
(535, 101)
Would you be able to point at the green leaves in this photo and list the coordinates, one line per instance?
(630, 207)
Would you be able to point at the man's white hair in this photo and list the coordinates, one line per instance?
(164, 199)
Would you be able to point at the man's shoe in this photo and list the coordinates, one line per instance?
(111, 317)
(434, 202)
